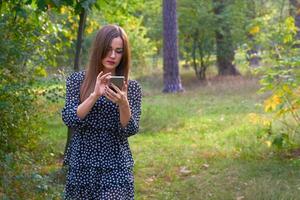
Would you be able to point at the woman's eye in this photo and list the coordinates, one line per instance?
(119, 51)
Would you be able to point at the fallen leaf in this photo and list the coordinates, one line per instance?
(205, 166)
(240, 198)
(184, 170)
(150, 179)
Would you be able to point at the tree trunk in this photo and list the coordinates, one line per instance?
(203, 66)
(82, 22)
(225, 49)
(195, 65)
(296, 4)
(80, 32)
(172, 81)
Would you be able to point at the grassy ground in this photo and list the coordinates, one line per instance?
(200, 144)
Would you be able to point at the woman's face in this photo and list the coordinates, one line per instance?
(114, 55)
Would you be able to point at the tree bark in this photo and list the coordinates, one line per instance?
(296, 4)
(225, 48)
(80, 32)
(172, 81)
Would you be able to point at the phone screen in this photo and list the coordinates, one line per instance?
(117, 81)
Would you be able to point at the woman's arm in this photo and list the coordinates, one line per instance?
(69, 112)
(85, 107)
(130, 110)
(125, 114)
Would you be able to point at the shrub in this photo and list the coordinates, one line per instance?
(282, 80)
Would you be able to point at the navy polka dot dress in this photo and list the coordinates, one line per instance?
(99, 159)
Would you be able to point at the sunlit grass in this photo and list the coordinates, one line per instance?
(199, 144)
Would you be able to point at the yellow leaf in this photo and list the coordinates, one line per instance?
(266, 122)
(288, 38)
(89, 30)
(63, 10)
(268, 143)
(39, 71)
(276, 99)
(272, 103)
(254, 30)
(254, 118)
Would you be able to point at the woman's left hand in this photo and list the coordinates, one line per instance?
(116, 95)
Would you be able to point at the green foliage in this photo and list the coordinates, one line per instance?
(26, 49)
(21, 178)
(51, 88)
(122, 14)
(151, 13)
(198, 24)
(282, 79)
(19, 125)
(197, 35)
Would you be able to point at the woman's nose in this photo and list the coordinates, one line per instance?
(113, 53)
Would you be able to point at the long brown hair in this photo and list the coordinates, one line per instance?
(98, 52)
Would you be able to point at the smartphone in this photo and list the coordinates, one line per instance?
(117, 81)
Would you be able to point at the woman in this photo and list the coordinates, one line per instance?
(103, 117)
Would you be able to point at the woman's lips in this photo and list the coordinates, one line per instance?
(110, 62)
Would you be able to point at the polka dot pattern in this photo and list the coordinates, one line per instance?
(99, 159)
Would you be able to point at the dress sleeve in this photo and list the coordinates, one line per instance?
(69, 112)
(134, 98)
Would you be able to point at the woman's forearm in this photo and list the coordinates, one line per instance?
(85, 107)
(125, 114)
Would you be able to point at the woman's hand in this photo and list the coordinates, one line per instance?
(101, 83)
(120, 98)
(116, 95)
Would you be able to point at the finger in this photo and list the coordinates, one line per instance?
(116, 96)
(105, 76)
(110, 96)
(103, 79)
(115, 88)
(99, 75)
(125, 86)
(110, 91)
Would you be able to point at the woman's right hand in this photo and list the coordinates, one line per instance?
(101, 83)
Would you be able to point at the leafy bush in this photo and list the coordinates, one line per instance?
(282, 79)
(29, 43)
(19, 128)
(22, 178)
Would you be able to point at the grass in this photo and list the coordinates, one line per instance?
(199, 144)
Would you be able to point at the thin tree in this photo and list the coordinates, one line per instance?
(172, 81)
(253, 53)
(82, 22)
(83, 10)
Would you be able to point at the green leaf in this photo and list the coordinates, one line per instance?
(42, 5)
(278, 141)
